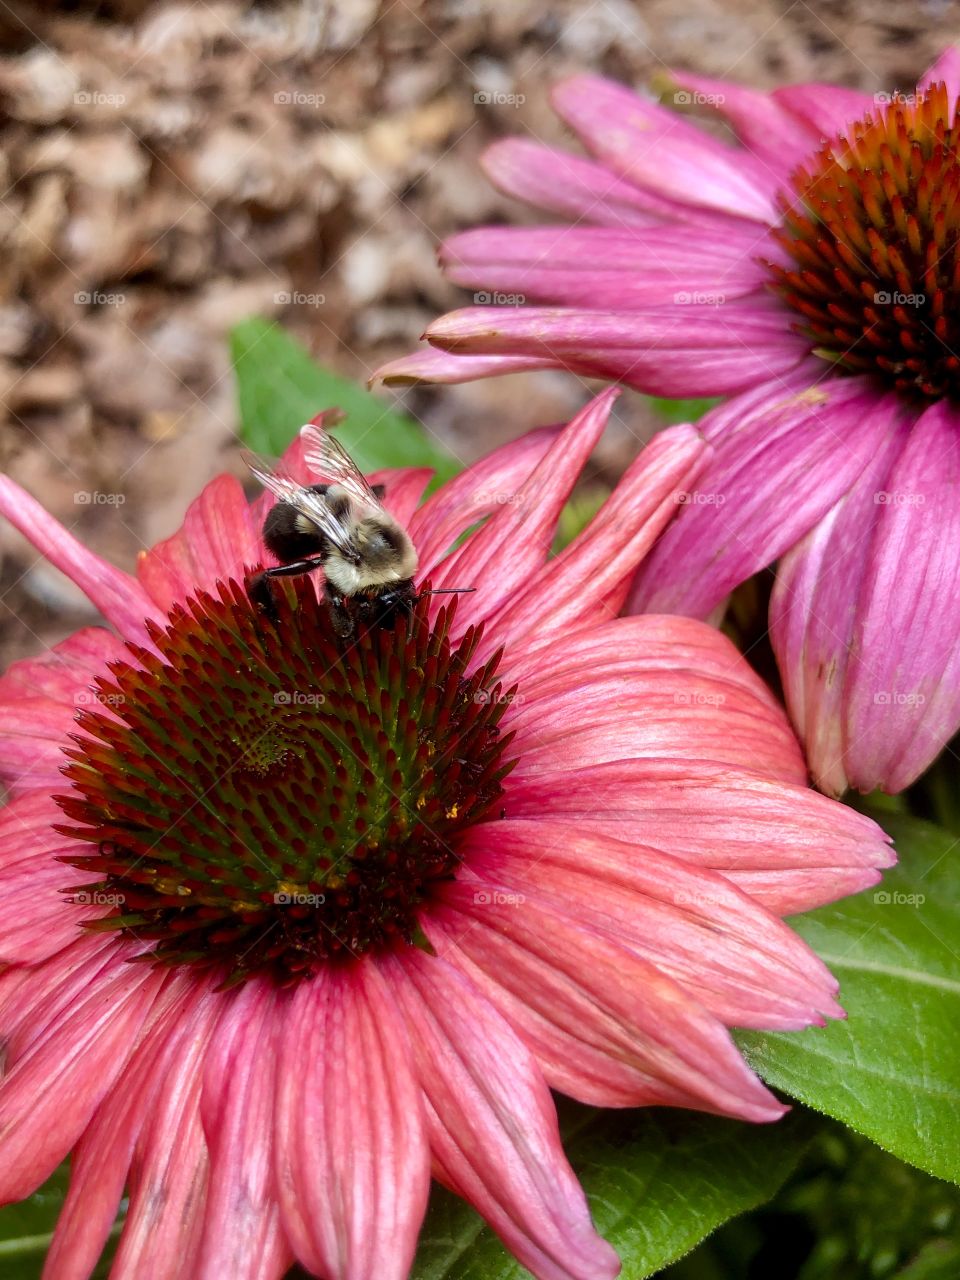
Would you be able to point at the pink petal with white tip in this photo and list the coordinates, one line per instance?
(352, 1169)
(658, 151)
(493, 1127)
(606, 1026)
(430, 365)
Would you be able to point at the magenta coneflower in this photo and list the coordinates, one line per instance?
(288, 926)
(811, 272)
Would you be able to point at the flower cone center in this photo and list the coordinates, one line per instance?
(874, 240)
(262, 798)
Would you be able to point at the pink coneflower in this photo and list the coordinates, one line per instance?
(289, 925)
(811, 272)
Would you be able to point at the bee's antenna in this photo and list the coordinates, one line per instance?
(447, 591)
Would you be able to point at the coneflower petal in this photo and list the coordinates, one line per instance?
(116, 594)
(493, 1127)
(353, 1168)
(607, 1027)
(827, 108)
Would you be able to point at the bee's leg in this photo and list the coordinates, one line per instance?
(341, 615)
(258, 586)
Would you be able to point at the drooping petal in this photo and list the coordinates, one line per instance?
(606, 1026)
(61, 1069)
(572, 185)
(100, 1162)
(648, 687)
(476, 492)
(431, 365)
(352, 1168)
(657, 150)
(945, 69)
(786, 846)
(696, 346)
(771, 132)
(39, 701)
(813, 613)
(169, 1171)
(492, 1123)
(218, 538)
(117, 595)
(511, 549)
(902, 698)
(829, 109)
(742, 963)
(604, 267)
(242, 1237)
(602, 558)
(782, 459)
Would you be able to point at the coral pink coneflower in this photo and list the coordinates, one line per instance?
(287, 925)
(810, 271)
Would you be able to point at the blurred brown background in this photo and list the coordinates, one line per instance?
(169, 169)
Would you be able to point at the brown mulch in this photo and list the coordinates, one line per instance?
(169, 169)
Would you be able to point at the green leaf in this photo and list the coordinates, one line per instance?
(658, 1183)
(891, 1071)
(280, 387)
(674, 411)
(26, 1229)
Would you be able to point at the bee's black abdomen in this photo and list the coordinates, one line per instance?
(283, 535)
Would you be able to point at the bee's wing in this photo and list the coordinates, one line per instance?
(312, 505)
(329, 459)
